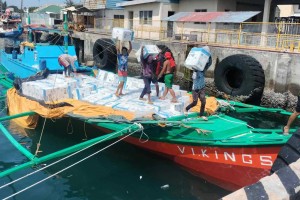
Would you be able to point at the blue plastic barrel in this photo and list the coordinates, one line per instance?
(14, 54)
(42, 64)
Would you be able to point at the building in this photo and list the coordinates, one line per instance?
(48, 15)
(107, 13)
(148, 16)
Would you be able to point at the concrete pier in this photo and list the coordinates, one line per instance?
(283, 184)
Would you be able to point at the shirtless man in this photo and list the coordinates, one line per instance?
(169, 70)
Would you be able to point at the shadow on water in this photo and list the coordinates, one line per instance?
(119, 172)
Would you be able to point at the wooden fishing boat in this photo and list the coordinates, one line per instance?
(224, 150)
(33, 56)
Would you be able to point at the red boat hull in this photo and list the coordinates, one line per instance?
(229, 168)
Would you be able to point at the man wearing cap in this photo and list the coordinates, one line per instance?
(67, 61)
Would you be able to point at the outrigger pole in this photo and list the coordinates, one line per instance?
(35, 160)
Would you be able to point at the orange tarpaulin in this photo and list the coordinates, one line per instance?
(211, 105)
(18, 104)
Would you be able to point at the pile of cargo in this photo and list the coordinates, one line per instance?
(100, 90)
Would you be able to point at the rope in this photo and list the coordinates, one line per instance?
(74, 163)
(5, 106)
(140, 139)
(86, 137)
(141, 128)
(38, 145)
(70, 123)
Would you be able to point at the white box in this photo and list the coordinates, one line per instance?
(122, 34)
(197, 59)
(148, 50)
(177, 107)
(102, 75)
(112, 79)
(80, 93)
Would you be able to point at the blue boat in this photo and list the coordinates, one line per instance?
(29, 58)
(12, 33)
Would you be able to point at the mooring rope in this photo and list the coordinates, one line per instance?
(45, 167)
(84, 129)
(70, 124)
(5, 106)
(141, 136)
(141, 128)
(39, 143)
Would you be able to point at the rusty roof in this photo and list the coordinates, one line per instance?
(216, 17)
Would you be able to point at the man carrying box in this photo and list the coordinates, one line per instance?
(123, 54)
(169, 69)
(198, 90)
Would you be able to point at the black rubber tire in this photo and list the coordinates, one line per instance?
(239, 75)
(289, 153)
(105, 54)
(8, 49)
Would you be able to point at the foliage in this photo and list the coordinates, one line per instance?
(16, 9)
(4, 5)
(69, 3)
(31, 9)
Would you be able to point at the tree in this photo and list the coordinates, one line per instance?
(31, 9)
(16, 9)
(4, 6)
(69, 3)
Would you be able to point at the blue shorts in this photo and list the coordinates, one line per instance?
(122, 79)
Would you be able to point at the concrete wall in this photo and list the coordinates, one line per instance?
(281, 69)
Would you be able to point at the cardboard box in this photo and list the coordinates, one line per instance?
(122, 34)
(197, 59)
(148, 50)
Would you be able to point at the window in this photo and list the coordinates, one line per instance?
(146, 17)
(118, 16)
(118, 21)
(200, 10)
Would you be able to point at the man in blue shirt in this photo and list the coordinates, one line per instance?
(198, 90)
(123, 54)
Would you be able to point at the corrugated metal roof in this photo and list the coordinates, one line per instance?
(138, 2)
(217, 17)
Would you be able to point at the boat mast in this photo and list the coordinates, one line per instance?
(29, 29)
(65, 33)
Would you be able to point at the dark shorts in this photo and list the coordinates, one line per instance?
(154, 80)
(298, 105)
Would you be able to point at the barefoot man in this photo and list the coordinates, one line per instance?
(168, 69)
(123, 54)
